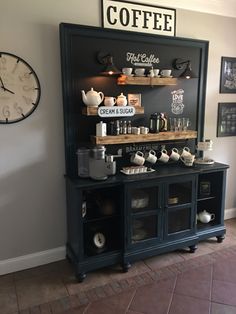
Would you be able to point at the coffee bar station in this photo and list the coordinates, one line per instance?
(138, 179)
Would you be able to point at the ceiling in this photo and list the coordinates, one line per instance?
(218, 7)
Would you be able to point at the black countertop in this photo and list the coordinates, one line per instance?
(160, 172)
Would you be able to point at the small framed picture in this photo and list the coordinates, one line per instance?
(228, 75)
(205, 188)
(226, 122)
(134, 100)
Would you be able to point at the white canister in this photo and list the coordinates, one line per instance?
(101, 129)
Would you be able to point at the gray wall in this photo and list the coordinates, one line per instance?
(32, 191)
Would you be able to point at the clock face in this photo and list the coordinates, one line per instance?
(19, 89)
(99, 240)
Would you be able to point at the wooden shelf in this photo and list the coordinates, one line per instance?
(93, 111)
(139, 80)
(150, 137)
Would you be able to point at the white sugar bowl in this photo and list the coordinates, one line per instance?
(121, 100)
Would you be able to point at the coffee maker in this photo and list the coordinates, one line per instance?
(95, 164)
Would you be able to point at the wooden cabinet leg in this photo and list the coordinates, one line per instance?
(126, 266)
(80, 277)
(192, 248)
(220, 238)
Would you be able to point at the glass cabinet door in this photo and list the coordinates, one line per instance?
(179, 220)
(143, 213)
(144, 228)
(179, 193)
(179, 208)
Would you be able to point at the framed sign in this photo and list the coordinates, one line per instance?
(134, 100)
(226, 124)
(131, 16)
(228, 75)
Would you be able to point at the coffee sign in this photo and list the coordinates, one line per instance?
(142, 59)
(130, 16)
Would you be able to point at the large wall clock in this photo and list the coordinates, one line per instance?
(19, 88)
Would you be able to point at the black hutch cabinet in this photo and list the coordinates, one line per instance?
(128, 218)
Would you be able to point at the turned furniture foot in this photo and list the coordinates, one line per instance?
(80, 277)
(126, 266)
(220, 238)
(192, 248)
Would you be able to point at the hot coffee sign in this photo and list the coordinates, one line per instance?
(130, 16)
(142, 59)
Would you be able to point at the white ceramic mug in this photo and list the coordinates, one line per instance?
(186, 152)
(109, 101)
(137, 158)
(139, 71)
(188, 160)
(144, 130)
(127, 71)
(174, 155)
(156, 72)
(151, 156)
(166, 72)
(163, 156)
(135, 130)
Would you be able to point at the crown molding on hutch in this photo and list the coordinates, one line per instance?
(218, 7)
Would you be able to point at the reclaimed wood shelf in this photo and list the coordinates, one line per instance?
(145, 80)
(93, 111)
(150, 137)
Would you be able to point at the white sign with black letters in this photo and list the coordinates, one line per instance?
(130, 16)
(115, 111)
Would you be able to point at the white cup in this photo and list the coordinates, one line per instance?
(144, 130)
(151, 156)
(186, 152)
(135, 130)
(109, 101)
(166, 72)
(163, 156)
(137, 158)
(156, 72)
(174, 155)
(139, 71)
(127, 71)
(188, 160)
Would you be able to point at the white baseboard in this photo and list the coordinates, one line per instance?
(32, 260)
(230, 213)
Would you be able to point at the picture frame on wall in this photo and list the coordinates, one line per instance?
(226, 122)
(134, 100)
(228, 75)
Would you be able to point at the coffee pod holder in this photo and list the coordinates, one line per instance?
(204, 146)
